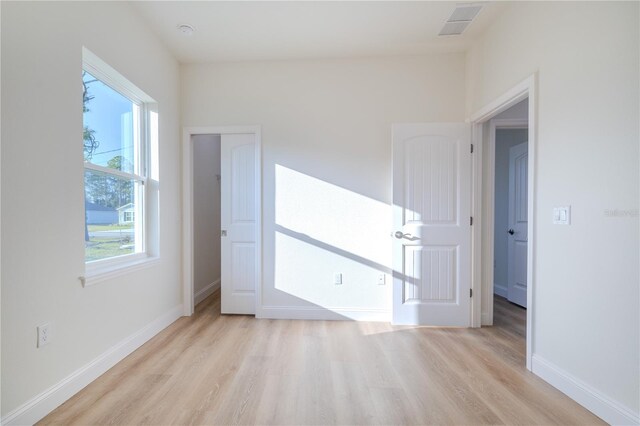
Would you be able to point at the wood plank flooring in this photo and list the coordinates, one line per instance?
(226, 369)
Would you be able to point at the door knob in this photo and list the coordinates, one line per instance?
(511, 231)
(399, 234)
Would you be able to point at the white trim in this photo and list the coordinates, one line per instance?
(38, 407)
(112, 78)
(187, 208)
(484, 318)
(326, 314)
(508, 99)
(115, 172)
(501, 291)
(593, 400)
(508, 123)
(223, 130)
(527, 89)
(125, 265)
(206, 291)
(476, 230)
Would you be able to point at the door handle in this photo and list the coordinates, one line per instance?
(400, 235)
(511, 231)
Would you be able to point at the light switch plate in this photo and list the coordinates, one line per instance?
(562, 215)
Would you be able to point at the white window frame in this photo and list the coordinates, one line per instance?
(103, 269)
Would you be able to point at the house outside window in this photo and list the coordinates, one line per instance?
(126, 214)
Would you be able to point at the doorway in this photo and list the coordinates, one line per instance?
(237, 235)
(514, 110)
(510, 223)
(206, 216)
(510, 158)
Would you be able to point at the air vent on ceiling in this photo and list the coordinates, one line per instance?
(460, 19)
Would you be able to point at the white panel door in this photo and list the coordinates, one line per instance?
(432, 233)
(517, 255)
(238, 222)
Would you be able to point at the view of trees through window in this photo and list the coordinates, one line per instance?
(110, 155)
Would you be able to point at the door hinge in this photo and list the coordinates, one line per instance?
(471, 221)
(472, 148)
(470, 292)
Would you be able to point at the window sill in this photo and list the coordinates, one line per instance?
(103, 273)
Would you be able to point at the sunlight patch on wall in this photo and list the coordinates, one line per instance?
(333, 215)
(323, 229)
(306, 270)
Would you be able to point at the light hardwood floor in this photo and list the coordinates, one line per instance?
(213, 369)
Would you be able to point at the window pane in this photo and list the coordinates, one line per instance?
(112, 227)
(110, 126)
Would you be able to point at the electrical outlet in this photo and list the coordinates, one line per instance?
(337, 279)
(381, 279)
(44, 334)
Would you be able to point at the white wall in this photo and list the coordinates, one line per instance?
(326, 134)
(206, 211)
(42, 165)
(586, 309)
(505, 139)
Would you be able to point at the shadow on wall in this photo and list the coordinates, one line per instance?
(321, 230)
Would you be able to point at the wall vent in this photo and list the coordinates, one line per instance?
(460, 19)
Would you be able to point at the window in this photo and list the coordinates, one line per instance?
(116, 118)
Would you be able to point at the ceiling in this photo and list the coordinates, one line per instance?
(241, 31)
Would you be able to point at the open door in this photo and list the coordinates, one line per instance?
(518, 241)
(431, 216)
(238, 221)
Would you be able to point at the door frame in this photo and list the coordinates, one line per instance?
(482, 235)
(187, 206)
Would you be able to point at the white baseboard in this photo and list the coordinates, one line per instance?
(206, 292)
(44, 403)
(602, 406)
(500, 290)
(329, 314)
